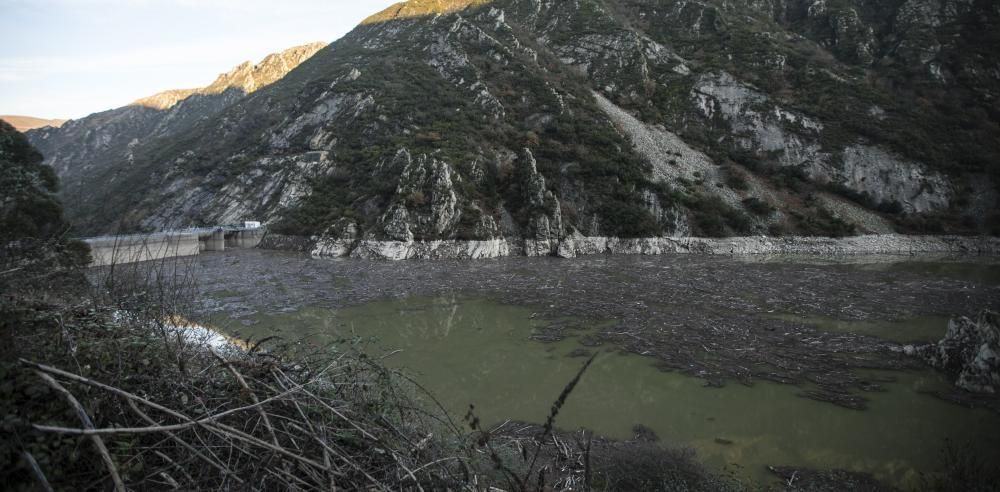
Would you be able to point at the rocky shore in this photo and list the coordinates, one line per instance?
(577, 245)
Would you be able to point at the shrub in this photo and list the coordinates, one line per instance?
(757, 206)
(626, 219)
(115, 358)
(736, 181)
(711, 217)
(964, 471)
(817, 221)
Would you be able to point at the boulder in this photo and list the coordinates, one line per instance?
(970, 352)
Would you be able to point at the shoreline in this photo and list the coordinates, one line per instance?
(578, 245)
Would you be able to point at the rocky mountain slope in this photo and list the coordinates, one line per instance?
(82, 151)
(541, 121)
(25, 123)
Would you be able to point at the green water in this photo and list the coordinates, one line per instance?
(475, 351)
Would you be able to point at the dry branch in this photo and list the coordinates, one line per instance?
(214, 463)
(87, 423)
(253, 396)
(37, 471)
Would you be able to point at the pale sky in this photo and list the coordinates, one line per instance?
(70, 58)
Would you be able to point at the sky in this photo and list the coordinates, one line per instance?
(70, 58)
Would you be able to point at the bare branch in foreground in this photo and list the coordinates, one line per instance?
(87, 423)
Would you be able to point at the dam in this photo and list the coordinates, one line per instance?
(116, 250)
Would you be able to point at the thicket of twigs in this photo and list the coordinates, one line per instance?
(103, 389)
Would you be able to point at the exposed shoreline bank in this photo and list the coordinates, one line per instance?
(577, 245)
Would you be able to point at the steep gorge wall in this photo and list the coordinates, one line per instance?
(518, 120)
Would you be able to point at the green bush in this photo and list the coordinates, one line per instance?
(711, 217)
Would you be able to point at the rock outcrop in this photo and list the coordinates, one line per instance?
(92, 152)
(969, 352)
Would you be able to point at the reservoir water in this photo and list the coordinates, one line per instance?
(505, 335)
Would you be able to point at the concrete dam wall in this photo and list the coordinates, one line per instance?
(116, 250)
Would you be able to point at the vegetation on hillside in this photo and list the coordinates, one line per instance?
(573, 145)
(473, 83)
(32, 227)
(810, 63)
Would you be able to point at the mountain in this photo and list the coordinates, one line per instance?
(539, 120)
(84, 149)
(25, 123)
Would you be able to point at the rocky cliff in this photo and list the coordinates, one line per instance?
(531, 122)
(88, 151)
